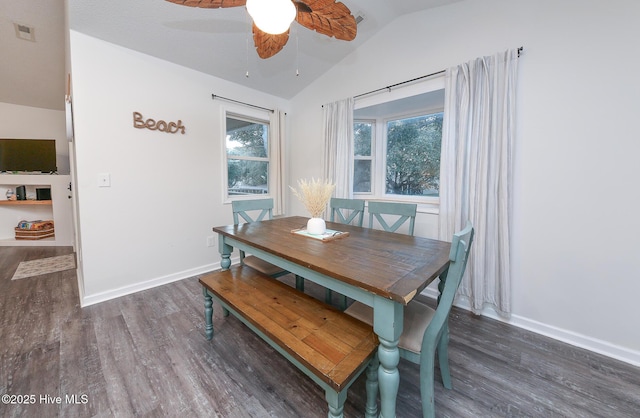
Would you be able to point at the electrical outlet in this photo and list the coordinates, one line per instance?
(211, 242)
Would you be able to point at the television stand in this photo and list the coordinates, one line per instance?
(58, 208)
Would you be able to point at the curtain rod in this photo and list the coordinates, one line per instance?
(413, 79)
(214, 96)
(399, 84)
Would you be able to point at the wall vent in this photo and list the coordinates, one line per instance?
(25, 32)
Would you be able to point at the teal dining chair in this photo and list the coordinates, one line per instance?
(400, 212)
(349, 212)
(425, 330)
(247, 211)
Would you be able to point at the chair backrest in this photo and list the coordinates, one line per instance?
(345, 211)
(458, 255)
(241, 209)
(403, 211)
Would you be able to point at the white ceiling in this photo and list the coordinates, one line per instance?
(33, 73)
(212, 41)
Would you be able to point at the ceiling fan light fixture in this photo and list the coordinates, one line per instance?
(272, 16)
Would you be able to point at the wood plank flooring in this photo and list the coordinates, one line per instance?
(145, 355)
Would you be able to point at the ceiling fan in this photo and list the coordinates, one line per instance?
(328, 17)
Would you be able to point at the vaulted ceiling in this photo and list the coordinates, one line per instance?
(213, 41)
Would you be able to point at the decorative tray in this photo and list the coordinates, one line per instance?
(329, 235)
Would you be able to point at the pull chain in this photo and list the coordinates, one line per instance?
(247, 44)
(297, 52)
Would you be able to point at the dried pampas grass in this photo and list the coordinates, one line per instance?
(314, 194)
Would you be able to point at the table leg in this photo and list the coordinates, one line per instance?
(225, 263)
(388, 322)
(225, 253)
(388, 377)
(208, 314)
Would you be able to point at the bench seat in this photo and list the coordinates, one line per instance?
(328, 345)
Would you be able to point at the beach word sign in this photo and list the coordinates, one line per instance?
(162, 126)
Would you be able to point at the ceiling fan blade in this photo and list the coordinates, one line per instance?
(209, 4)
(268, 45)
(327, 17)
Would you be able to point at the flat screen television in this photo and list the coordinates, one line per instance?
(28, 155)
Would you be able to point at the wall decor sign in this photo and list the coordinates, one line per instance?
(162, 126)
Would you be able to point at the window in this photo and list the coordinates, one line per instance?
(412, 165)
(247, 151)
(363, 141)
(397, 149)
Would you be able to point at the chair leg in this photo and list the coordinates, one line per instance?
(327, 296)
(443, 357)
(427, 367)
(343, 302)
(328, 299)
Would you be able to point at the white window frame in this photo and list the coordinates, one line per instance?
(378, 189)
(372, 157)
(249, 115)
(379, 164)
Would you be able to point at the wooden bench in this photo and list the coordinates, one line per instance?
(329, 346)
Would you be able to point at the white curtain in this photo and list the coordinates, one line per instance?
(278, 129)
(338, 145)
(476, 172)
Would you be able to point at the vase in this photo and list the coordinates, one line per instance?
(316, 226)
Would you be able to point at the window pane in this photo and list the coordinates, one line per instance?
(413, 155)
(246, 138)
(247, 177)
(362, 176)
(362, 138)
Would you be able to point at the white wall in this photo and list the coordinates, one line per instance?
(36, 123)
(149, 227)
(574, 254)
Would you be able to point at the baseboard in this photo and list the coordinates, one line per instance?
(127, 290)
(578, 340)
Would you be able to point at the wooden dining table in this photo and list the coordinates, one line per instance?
(381, 269)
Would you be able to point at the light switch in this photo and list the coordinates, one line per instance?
(104, 180)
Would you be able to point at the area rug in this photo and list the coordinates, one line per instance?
(44, 266)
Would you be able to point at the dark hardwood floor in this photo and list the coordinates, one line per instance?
(145, 355)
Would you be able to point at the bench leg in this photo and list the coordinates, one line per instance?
(336, 401)
(371, 410)
(208, 314)
(300, 283)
